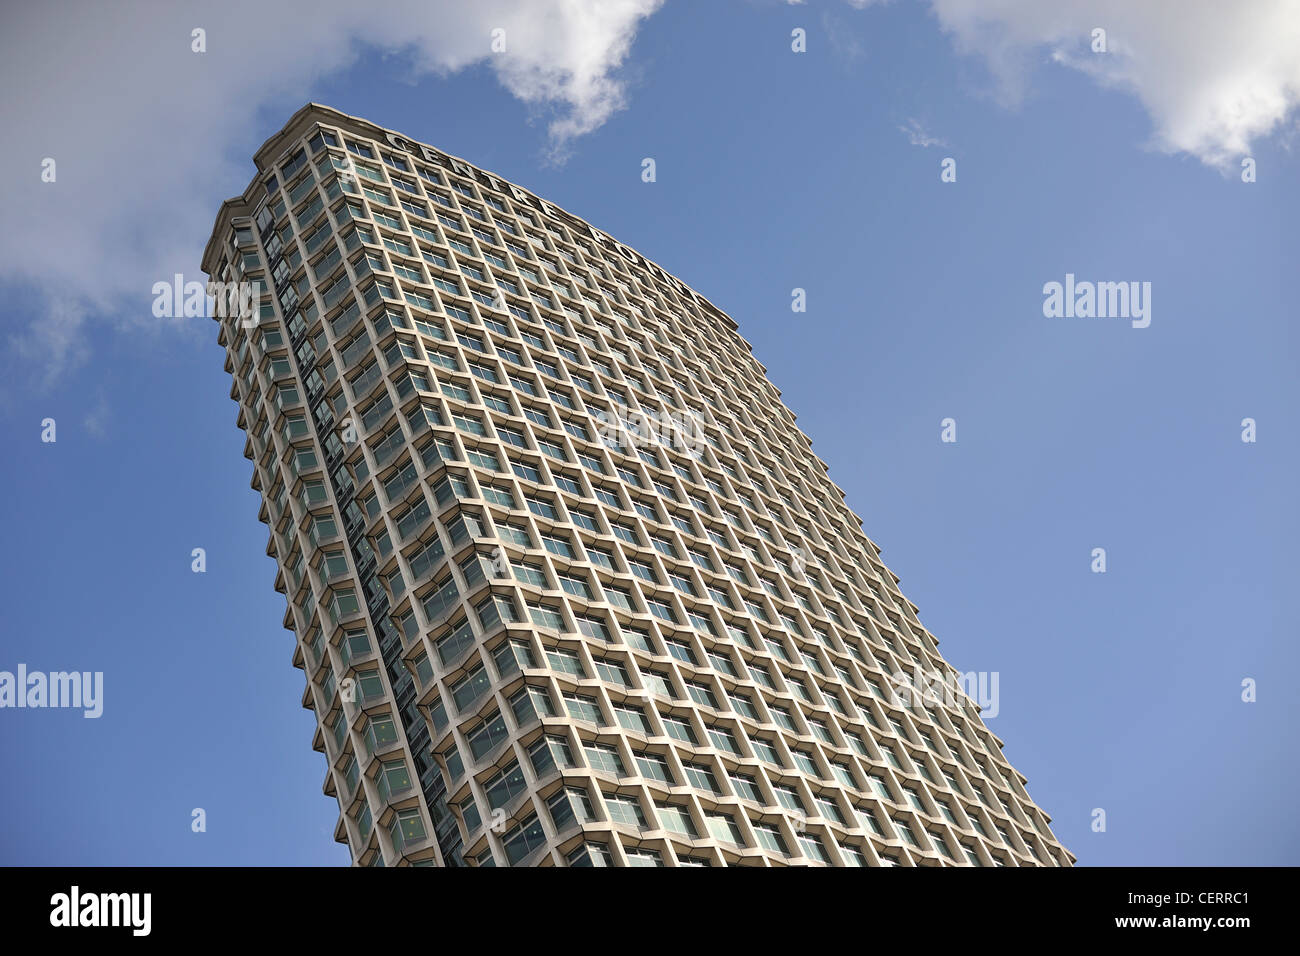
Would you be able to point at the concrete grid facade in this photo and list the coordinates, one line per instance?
(568, 583)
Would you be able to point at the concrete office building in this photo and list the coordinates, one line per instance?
(569, 586)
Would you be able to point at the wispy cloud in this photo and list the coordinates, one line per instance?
(843, 39)
(917, 135)
(54, 341)
(140, 126)
(96, 420)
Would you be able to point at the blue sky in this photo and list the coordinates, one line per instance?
(775, 170)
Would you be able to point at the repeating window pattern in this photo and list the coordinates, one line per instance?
(570, 587)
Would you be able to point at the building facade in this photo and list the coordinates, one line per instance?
(568, 584)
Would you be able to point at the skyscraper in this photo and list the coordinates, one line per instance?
(569, 585)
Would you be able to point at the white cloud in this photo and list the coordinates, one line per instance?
(1213, 76)
(917, 135)
(148, 136)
